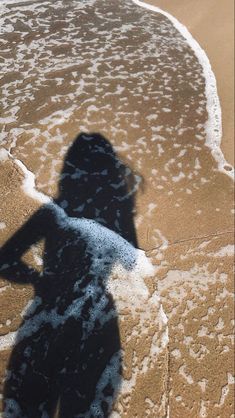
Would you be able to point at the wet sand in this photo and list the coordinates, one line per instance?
(212, 24)
(139, 84)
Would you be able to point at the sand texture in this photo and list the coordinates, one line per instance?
(83, 302)
(212, 24)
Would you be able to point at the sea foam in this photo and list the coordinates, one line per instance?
(213, 125)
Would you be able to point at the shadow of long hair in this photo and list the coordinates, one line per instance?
(96, 184)
(66, 361)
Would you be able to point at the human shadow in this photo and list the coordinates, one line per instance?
(66, 361)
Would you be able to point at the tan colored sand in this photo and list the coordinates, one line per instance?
(211, 22)
(184, 200)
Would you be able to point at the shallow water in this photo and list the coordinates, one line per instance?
(127, 73)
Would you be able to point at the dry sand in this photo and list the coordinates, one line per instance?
(211, 22)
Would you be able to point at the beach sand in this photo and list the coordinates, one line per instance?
(134, 79)
(212, 24)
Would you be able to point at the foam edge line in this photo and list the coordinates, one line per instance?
(213, 125)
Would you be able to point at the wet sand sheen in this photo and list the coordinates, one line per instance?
(138, 83)
(218, 42)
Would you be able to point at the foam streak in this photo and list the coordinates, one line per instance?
(213, 125)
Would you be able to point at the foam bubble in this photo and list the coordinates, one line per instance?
(4, 155)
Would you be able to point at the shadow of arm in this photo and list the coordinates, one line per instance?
(11, 266)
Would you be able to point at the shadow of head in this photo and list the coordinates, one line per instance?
(96, 184)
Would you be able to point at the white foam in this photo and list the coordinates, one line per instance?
(125, 282)
(8, 340)
(28, 184)
(127, 268)
(3, 154)
(214, 123)
(157, 235)
(227, 251)
(179, 177)
(8, 2)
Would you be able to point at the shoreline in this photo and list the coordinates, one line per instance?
(119, 137)
(217, 43)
